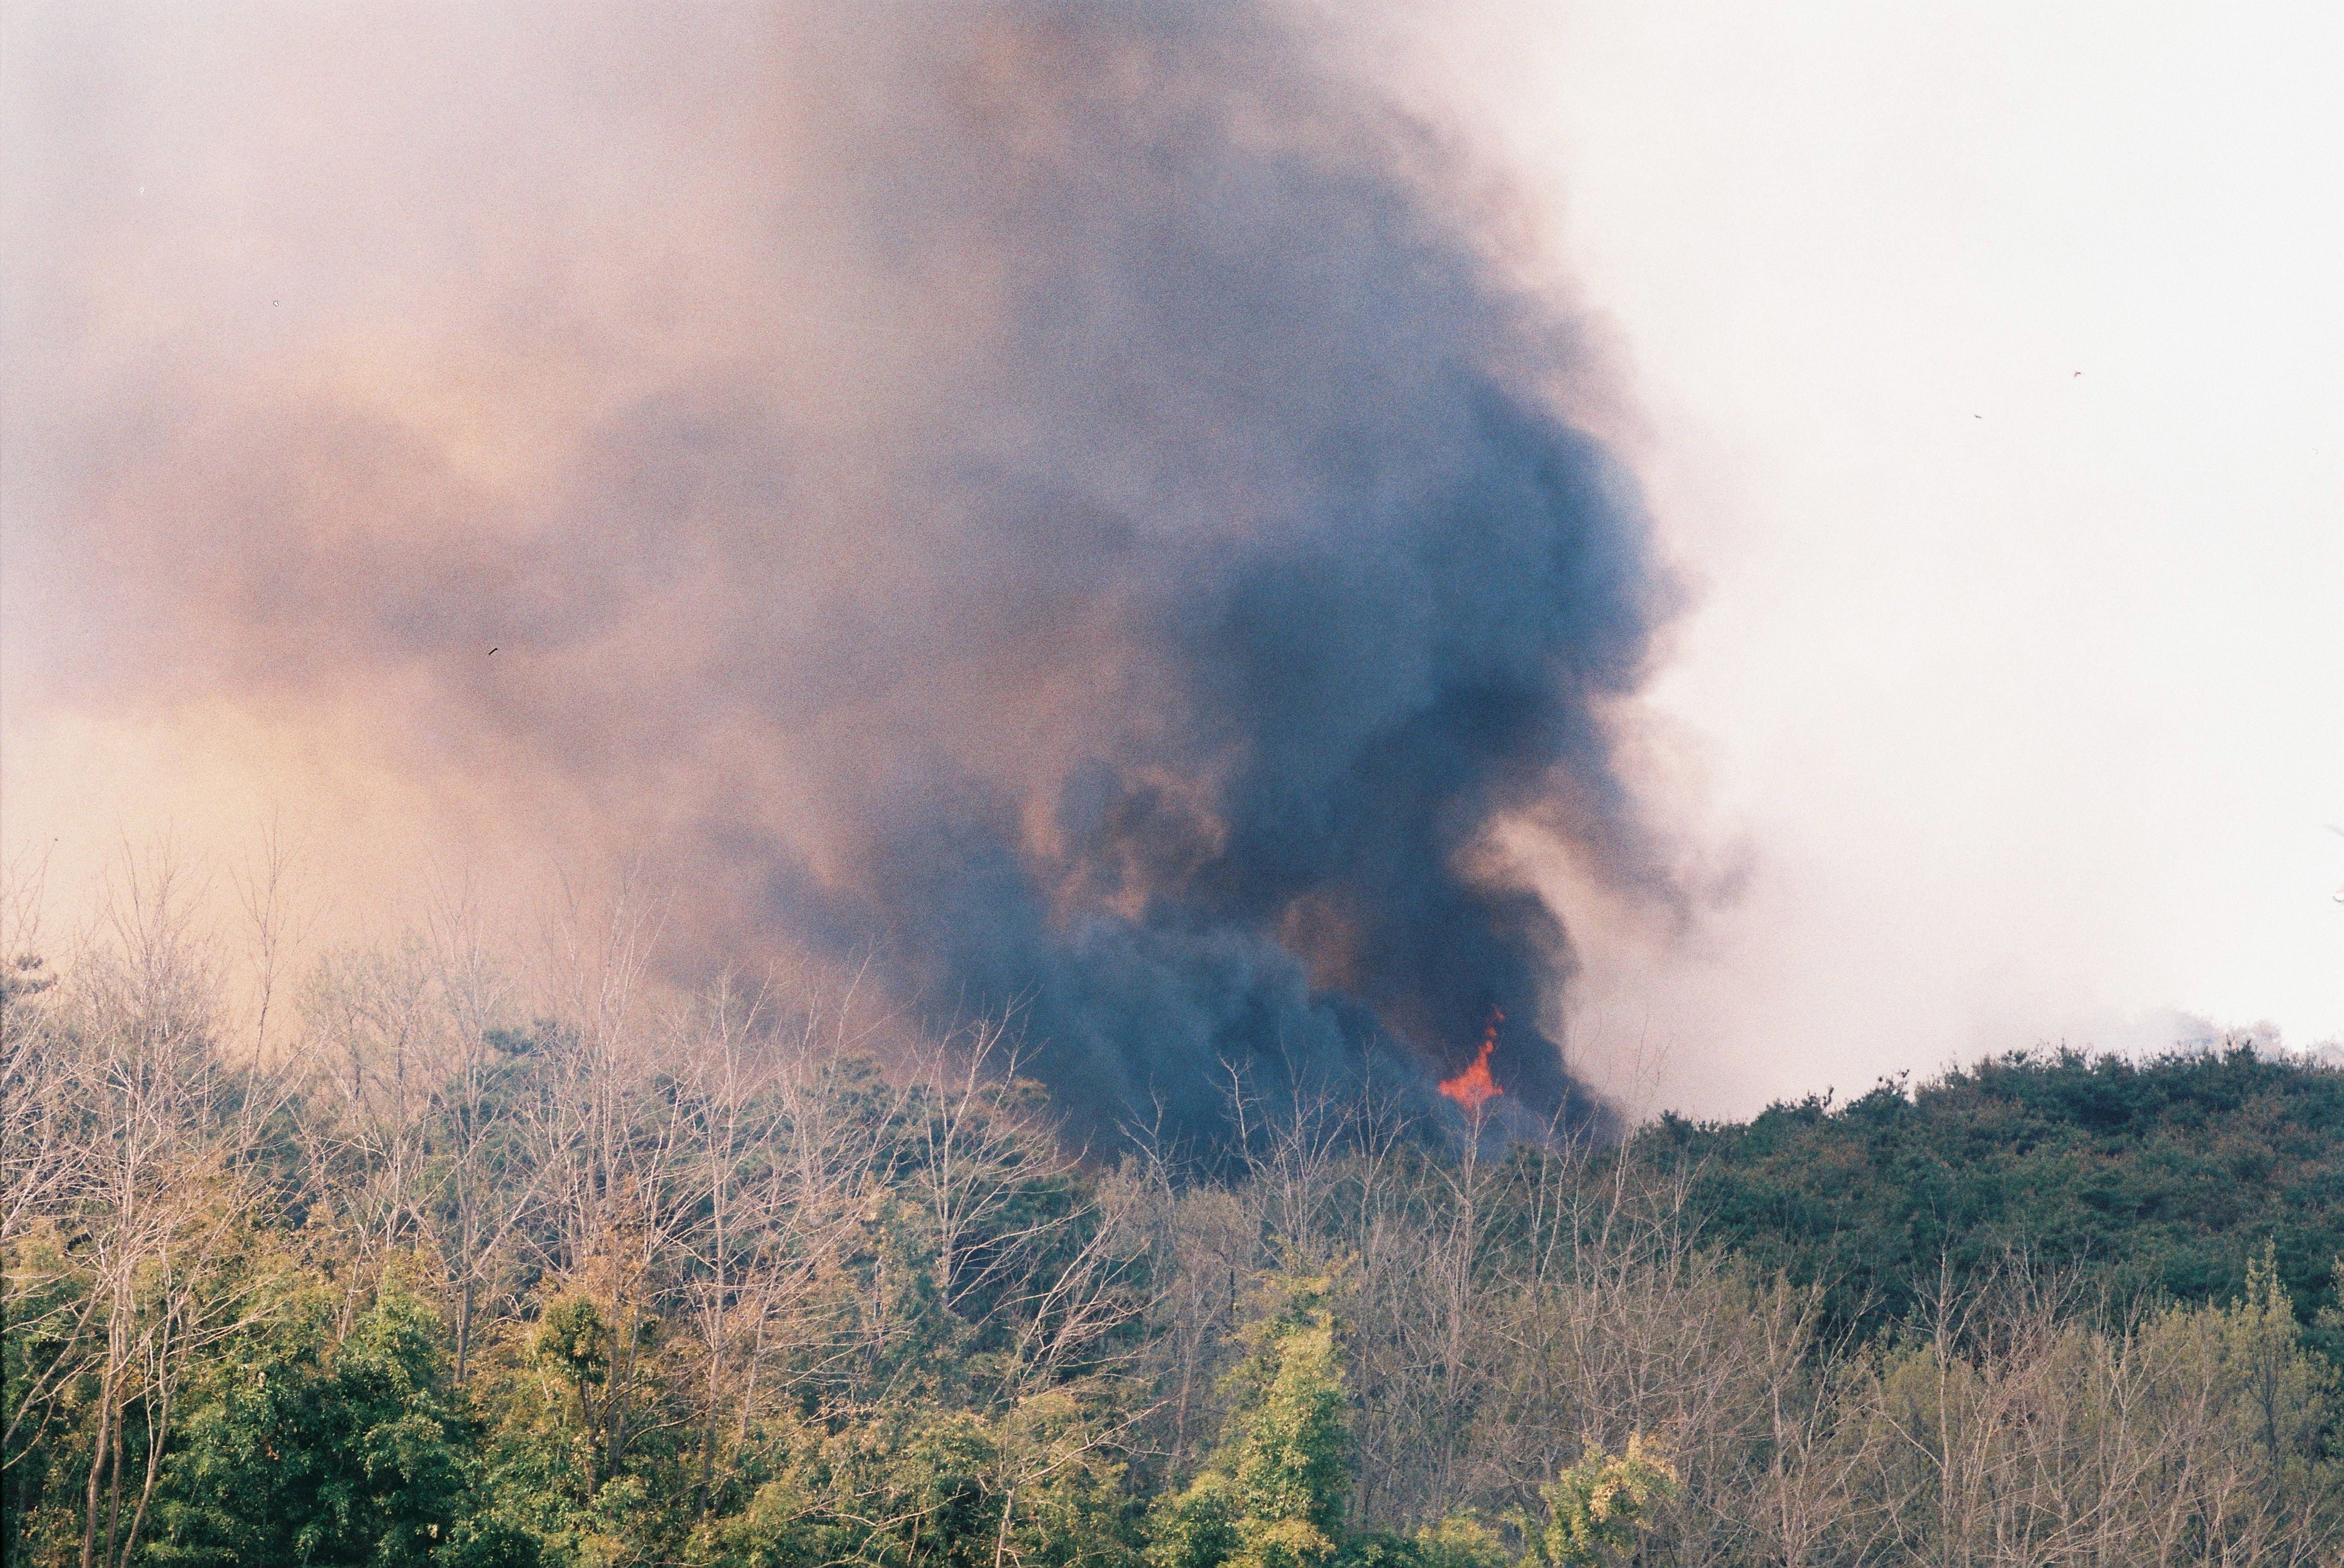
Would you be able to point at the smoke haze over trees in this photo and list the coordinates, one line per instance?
(1064, 503)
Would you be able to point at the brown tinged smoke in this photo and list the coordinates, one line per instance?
(1060, 498)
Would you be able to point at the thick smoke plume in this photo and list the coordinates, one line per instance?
(1065, 499)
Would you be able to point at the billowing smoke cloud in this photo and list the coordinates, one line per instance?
(1063, 499)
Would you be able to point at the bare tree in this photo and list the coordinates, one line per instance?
(160, 1181)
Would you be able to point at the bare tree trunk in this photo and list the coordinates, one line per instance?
(156, 1429)
(114, 1491)
(98, 1453)
(464, 1329)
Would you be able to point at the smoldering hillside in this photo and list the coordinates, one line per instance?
(1065, 501)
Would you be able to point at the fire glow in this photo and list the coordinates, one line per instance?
(1474, 1088)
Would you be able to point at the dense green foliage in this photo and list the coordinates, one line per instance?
(1595, 1506)
(686, 1283)
(2168, 1176)
(303, 1445)
(1274, 1497)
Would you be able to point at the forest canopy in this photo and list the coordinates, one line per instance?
(454, 1265)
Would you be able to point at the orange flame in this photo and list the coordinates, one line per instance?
(1474, 1088)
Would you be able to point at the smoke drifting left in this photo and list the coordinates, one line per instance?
(1064, 499)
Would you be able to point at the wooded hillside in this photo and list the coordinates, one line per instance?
(2169, 1176)
(470, 1272)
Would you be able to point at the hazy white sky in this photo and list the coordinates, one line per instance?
(1995, 359)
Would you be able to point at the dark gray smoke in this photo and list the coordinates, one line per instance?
(1063, 498)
